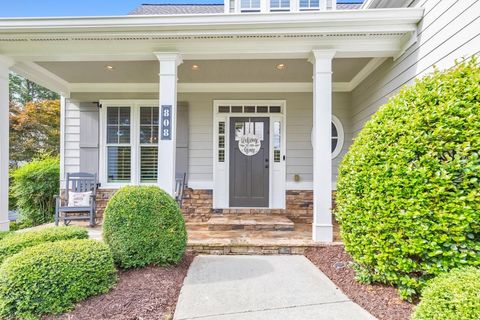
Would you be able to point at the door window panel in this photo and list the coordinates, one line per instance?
(277, 141)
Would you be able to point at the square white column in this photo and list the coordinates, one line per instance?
(169, 63)
(322, 140)
(5, 64)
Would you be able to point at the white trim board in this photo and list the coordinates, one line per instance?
(43, 77)
(210, 87)
(403, 18)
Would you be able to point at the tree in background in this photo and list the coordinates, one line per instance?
(34, 120)
(34, 130)
(23, 91)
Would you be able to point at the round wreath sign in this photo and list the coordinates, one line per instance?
(249, 144)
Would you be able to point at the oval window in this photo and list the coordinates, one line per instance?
(337, 136)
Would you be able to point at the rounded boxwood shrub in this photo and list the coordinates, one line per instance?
(13, 243)
(51, 277)
(408, 189)
(143, 225)
(453, 295)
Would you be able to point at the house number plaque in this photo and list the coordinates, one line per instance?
(166, 120)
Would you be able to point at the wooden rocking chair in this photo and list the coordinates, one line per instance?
(77, 182)
(180, 183)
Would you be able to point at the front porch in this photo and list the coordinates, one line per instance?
(258, 113)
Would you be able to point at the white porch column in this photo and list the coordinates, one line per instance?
(5, 64)
(168, 122)
(322, 140)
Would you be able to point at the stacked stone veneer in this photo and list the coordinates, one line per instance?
(103, 195)
(198, 205)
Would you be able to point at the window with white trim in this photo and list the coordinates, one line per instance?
(250, 5)
(279, 5)
(131, 143)
(338, 137)
(149, 119)
(119, 148)
(309, 4)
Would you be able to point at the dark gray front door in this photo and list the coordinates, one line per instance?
(249, 162)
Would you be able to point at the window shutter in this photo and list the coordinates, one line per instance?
(89, 137)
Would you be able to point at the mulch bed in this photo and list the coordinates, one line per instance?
(141, 294)
(381, 301)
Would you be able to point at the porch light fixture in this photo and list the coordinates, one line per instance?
(109, 67)
(195, 67)
(281, 66)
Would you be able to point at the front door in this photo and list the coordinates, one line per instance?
(249, 162)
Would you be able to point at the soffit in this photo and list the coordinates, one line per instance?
(210, 71)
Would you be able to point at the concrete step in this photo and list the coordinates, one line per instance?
(249, 222)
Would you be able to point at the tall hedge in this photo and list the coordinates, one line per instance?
(408, 189)
(34, 186)
(143, 225)
(51, 277)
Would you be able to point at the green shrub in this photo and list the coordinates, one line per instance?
(19, 225)
(143, 225)
(51, 277)
(16, 242)
(453, 295)
(34, 186)
(12, 202)
(3, 234)
(408, 189)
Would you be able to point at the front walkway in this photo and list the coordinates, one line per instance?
(261, 287)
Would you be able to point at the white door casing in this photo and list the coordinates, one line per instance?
(277, 170)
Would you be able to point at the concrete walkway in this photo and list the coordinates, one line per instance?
(261, 287)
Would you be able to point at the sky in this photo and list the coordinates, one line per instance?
(52, 8)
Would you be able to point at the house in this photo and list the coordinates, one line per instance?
(257, 100)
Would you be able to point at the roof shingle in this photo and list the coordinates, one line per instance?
(154, 9)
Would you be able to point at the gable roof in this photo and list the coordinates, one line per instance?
(170, 8)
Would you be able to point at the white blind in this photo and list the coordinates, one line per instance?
(149, 119)
(148, 164)
(119, 164)
(118, 144)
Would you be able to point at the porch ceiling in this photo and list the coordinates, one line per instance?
(209, 71)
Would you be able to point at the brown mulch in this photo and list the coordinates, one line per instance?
(148, 293)
(380, 300)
